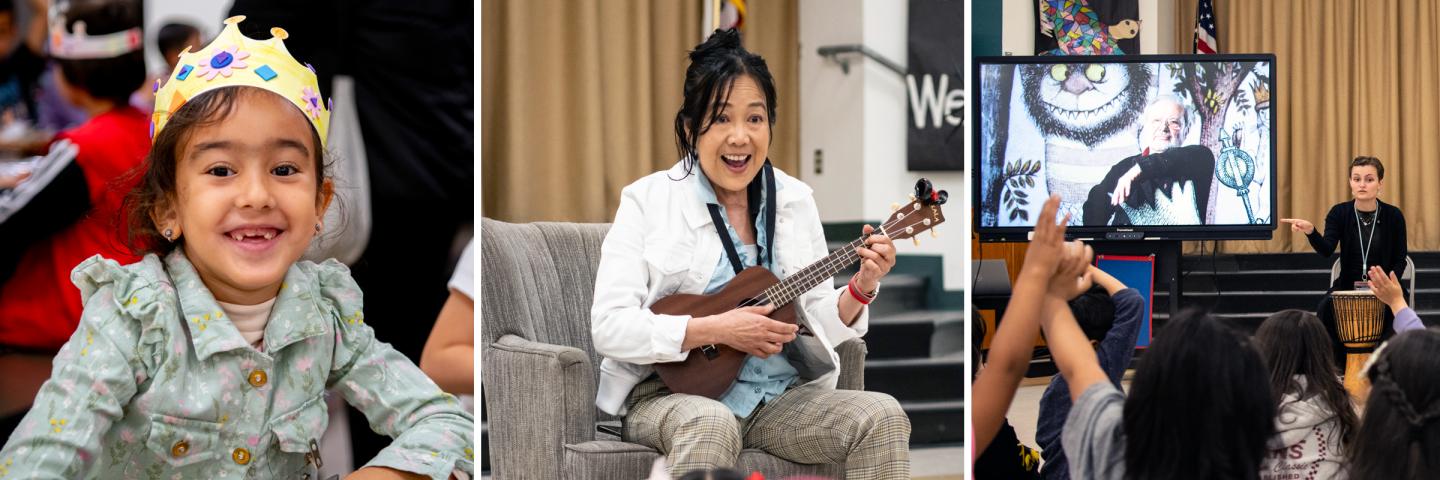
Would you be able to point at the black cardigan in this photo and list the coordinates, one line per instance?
(1388, 249)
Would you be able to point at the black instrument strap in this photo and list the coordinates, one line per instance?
(725, 237)
(719, 221)
(770, 229)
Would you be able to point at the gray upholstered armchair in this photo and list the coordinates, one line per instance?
(540, 368)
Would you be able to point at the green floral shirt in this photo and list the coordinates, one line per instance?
(156, 383)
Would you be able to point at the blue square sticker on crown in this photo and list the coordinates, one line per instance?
(184, 72)
(265, 72)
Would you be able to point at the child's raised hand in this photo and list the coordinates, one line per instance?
(1073, 275)
(1047, 247)
(1387, 288)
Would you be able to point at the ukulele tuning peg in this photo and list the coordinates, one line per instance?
(894, 207)
(934, 233)
(912, 198)
(923, 188)
(917, 240)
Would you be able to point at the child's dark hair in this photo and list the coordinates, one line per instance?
(1365, 161)
(1095, 312)
(714, 66)
(977, 339)
(156, 188)
(114, 78)
(172, 37)
(1199, 406)
(1295, 343)
(715, 474)
(1400, 432)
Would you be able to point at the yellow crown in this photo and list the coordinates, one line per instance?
(233, 59)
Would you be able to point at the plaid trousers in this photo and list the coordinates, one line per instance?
(865, 431)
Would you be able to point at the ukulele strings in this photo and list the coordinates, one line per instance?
(845, 259)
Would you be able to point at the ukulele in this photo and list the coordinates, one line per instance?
(710, 370)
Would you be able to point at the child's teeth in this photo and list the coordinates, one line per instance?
(236, 236)
(269, 235)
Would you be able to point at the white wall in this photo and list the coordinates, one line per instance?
(829, 113)
(1018, 36)
(858, 121)
(205, 15)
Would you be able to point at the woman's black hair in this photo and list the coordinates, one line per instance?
(714, 66)
(1399, 435)
(1295, 344)
(114, 78)
(1199, 405)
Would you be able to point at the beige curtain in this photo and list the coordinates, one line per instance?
(579, 98)
(1355, 77)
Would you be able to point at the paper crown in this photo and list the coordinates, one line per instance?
(79, 45)
(233, 60)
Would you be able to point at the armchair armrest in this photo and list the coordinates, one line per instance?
(852, 364)
(543, 397)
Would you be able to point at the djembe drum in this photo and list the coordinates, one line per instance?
(1359, 318)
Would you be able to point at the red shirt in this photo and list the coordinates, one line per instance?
(39, 307)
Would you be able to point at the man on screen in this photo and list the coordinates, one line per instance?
(1166, 184)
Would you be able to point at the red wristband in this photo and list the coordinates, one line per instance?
(860, 297)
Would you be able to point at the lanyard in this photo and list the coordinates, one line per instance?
(769, 220)
(1364, 247)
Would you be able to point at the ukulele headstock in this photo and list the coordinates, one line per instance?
(921, 214)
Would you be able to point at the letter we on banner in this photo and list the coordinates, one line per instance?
(935, 86)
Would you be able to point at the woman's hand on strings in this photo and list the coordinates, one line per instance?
(877, 257)
(750, 330)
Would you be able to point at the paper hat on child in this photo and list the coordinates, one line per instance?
(232, 60)
(80, 45)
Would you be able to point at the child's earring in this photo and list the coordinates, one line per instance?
(317, 228)
(169, 234)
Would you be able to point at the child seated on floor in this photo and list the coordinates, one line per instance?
(1110, 314)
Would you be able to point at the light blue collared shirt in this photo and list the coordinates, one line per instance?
(760, 380)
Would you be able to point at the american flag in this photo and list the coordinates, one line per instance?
(1205, 28)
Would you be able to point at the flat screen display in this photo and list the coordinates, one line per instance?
(1177, 146)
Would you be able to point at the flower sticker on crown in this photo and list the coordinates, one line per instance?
(311, 99)
(223, 62)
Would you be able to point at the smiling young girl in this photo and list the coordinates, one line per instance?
(210, 358)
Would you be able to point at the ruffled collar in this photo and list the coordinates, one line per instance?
(295, 316)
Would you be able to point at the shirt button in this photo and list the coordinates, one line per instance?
(757, 389)
(180, 449)
(258, 378)
(241, 456)
(757, 369)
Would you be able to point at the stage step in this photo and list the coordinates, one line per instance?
(910, 334)
(936, 422)
(917, 379)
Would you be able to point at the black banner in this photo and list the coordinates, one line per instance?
(934, 86)
(1092, 27)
